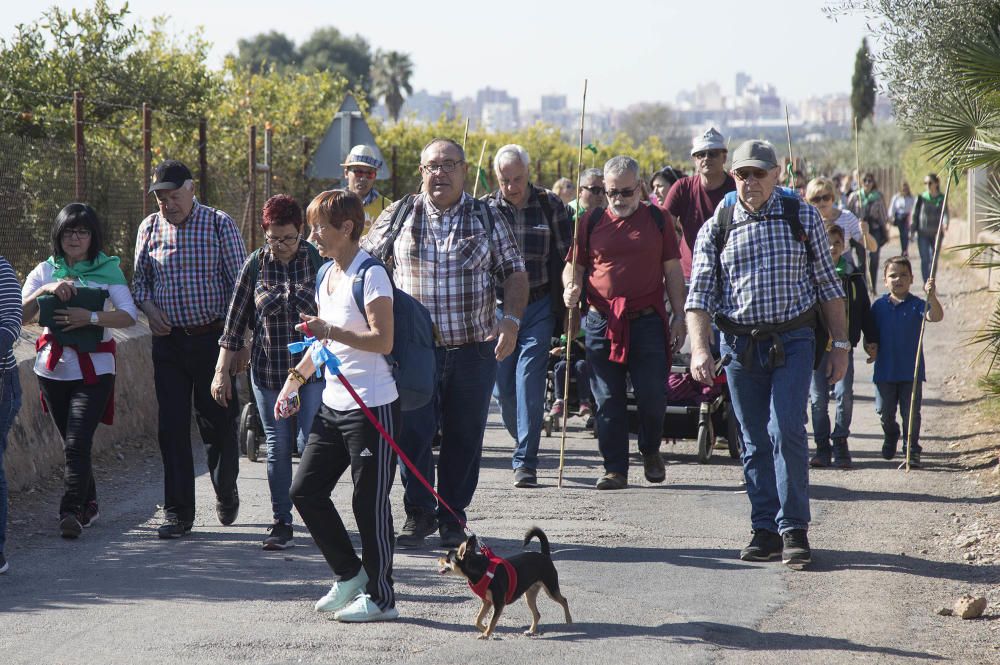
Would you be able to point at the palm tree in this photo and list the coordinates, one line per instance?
(391, 72)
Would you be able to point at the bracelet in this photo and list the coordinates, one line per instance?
(295, 374)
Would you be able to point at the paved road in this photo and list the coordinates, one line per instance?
(651, 572)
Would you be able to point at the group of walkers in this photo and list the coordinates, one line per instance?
(753, 270)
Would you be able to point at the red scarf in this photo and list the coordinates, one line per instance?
(86, 368)
(480, 587)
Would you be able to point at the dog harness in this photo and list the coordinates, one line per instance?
(480, 587)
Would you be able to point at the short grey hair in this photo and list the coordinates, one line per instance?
(620, 165)
(454, 144)
(590, 173)
(510, 153)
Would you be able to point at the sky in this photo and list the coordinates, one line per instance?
(630, 52)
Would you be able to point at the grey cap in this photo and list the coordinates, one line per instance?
(712, 139)
(758, 154)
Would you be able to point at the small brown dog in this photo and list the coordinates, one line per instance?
(500, 582)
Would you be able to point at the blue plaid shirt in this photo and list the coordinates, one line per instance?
(766, 277)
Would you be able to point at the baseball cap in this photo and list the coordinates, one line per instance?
(362, 155)
(757, 154)
(170, 174)
(712, 139)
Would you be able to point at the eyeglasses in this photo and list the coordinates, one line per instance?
(81, 234)
(819, 198)
(287, 240)
(444, 167)
(710, 154)
(746, 174)
(624, 193)
(597, 190)
(363, 173)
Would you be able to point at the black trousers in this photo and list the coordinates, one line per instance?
(342, 439)
(183, 367)
(76, 409)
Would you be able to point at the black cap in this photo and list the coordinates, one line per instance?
(170, 174)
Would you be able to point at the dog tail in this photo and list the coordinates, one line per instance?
(535, 532)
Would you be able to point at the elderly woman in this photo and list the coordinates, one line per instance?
(868, 205)
(564, 189)
(10, 384)
(342, 437)
(77, 382)
(821, 193)
(275, 286)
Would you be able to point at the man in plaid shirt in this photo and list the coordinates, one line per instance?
(540, 223)
(187, 257)
(763, 288)
(450, 252)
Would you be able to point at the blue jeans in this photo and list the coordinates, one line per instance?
(819, 400)
(281, 437)
(10, 402)
(460, 406)
(581, 370)
(926, 246)
(520, 386)
(889, 395)
(647, 367)
(771, 407)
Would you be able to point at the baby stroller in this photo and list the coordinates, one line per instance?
(251, 432)
(552, 422)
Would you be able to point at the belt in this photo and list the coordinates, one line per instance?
(192, 331)
(629, 315)
(776, 354)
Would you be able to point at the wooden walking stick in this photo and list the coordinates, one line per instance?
(570, 311)
(861, 190)
(791, 160)
(923, 323)
(479, 171)
(465, 137)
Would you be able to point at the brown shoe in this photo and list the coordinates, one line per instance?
(612, 481)
(652, 464)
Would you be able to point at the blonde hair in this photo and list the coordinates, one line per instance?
(562, 184)
(819, 186)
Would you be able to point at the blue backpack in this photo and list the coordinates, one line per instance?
(412, 360)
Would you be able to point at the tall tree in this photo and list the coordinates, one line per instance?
(271, 48)
(329, 50)
(391, 72)
(644, 121)
(863, 85)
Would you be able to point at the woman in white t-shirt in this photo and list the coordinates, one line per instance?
(78, 387)
(342, 437)
(821, 193)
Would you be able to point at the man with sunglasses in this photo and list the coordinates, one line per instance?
(693, 199)
(591, 193)
(360, 170)
(760, 268)
(630, 263)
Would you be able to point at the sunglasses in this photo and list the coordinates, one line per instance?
(593, 189)
(746, 174)
(624, 193)
(820, 198)
(710, 154)
(363, 173)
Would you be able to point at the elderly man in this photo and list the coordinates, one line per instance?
(450, 252)
(760, 267)
(629, 256)
(540, 224)
(360, 170)
(693, 199)
(187, 256)
(591, 194)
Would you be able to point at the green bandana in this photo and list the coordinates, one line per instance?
(936, 200)
(867, 198)
(841, 267)
(102, 270)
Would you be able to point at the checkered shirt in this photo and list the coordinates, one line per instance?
(766, 277)
(534, 233)
(450, 262)
(10, 315)
(188, 272)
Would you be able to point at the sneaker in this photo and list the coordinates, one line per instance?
(652, 466)
(4, 566)
(342, 593)
(889, 446)
(452, 535)
(796, 553)
(416, 527)
(612, 481)
(69, 525)
(557, 409)
(363, 609)
(90, 514)
(525, 477)
(764, 546)
(174, 528)
(914, 460)
(841, 454)
(585, 410)
(279, 536)
(228, 510)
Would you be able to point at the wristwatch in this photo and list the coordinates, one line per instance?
(93, 318)
(841, 344)
(517, 321)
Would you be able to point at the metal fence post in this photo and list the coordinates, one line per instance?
(147, 155)
(395, 176)
(305, 170)
(252, 198)
(81, 153)
(203, 160)
(268, 135)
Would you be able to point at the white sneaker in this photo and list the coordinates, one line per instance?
(363, 609)
(342, 593)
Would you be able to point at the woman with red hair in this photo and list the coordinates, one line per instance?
(276, 284)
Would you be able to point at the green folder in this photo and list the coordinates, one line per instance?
(83, 339)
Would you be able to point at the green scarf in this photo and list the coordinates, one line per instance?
(841, 267)
(936, 200)
(867, 198)
(102, 270)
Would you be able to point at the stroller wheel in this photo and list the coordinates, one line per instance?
(547, 425)
(250, 444)
(706, 439)
(246, 425)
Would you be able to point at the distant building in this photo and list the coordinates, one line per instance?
(498, 117)
(488, 96)
(425, 107)
(553, 104)
(742, 81)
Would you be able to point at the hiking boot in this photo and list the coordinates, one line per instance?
(525, 477)
(363, 609)
(4, 566)
(764, 546)
(557, 409)
(227, 510)
(820, 461)
(841, 454)
(174, 528)
(612, 481)
(90, 514)
(796, 552)
(342, 593)
(279, 536)
(69, 525)
(889, 444)
(452, 535)
(914, 460)
(416, 527)
(652, 466)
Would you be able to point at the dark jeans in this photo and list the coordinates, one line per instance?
(903, 224)
(10, 402)
(647, 367)
(183, 366)
(925, 245)
(340, 440)
(466, 375)
(76, 409)
(581, 371)
(889, 396)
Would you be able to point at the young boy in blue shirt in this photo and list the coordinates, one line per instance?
(898, 315)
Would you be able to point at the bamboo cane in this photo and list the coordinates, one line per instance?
(864, 243)
(923, 325)
(788, 133)
(479, 169)
(465, 137)
(571, 310)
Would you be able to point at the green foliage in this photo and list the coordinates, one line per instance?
(327, 50)
(863, 85)
(642, 122)
(271, 48)
(881, 147)
(390, 74)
